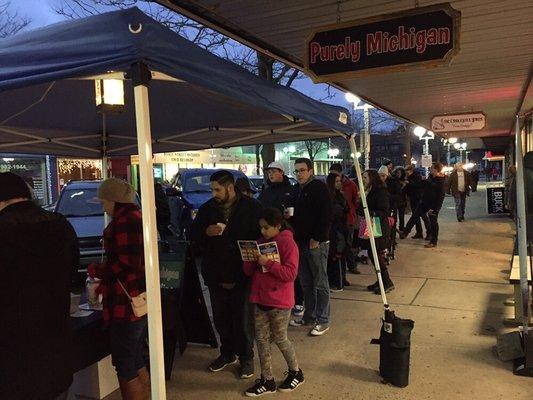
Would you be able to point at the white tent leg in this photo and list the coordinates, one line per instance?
(151, 256)
(522, 227)
(368, 221)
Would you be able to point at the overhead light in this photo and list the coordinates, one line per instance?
(8, 159)
(452, 140)
(109, 95)
(352, 98)
(464, 145)
(419, 131)
(457, 146)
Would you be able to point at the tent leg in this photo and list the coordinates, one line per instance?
(151, 256)
(368, 221)
(522, 238)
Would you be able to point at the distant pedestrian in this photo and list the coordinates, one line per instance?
(338, 235)
(38, 256)
(433, 197)
(272, 293)
(400, 174)
(351, 194)
(459, 187)
(162, 212)
(475, 178)
(312, 221)
(414, 189)
(378, 201)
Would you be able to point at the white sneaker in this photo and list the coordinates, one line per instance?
(319, 329)
(299, 322)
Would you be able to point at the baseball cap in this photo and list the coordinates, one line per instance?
(276, 165)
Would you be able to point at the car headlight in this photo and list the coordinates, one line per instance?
(193, 213)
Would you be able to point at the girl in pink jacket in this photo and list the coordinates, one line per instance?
(272, 293)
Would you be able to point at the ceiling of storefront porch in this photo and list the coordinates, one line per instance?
(491, 72)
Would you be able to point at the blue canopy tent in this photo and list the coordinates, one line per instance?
(177, 95)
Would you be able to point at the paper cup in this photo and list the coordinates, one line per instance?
(290, 211)
(223, 226)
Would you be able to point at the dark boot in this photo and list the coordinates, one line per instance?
(132, 390)
(373, 287)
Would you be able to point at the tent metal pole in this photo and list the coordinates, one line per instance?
(151, 256)
(368, 219)
(522, 234)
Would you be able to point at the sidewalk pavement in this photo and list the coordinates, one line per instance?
(455, 295)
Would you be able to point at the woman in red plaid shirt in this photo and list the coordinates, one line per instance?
(123, 243)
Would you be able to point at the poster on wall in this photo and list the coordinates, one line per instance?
(496, 200)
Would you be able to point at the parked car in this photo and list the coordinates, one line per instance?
(193, 189)
(79, 203)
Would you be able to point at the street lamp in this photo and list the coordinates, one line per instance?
(463, 148)
(289, 150)
(332, 153)
(424, 135)
(109, 95)
(365, 139)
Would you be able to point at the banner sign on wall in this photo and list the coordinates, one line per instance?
(496, 200)
(459, 122)
(427, 35)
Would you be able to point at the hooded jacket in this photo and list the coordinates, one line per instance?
(434, 193)
(275, 288)
(38, 256)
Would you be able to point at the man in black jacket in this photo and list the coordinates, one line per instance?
(38, 255)
(278, 193)
(430, 203)
(311, 222)
(220, 222)
(414, 189)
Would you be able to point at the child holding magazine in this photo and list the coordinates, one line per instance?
(272, 294)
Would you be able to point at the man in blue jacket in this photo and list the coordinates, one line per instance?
(311, 222)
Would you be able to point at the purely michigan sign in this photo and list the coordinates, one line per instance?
(427, 35)
(459, 122)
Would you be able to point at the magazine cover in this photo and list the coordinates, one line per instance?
(249, 249)
(270, 250)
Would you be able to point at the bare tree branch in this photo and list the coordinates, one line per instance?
(10, 21)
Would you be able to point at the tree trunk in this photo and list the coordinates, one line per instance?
(264, 68)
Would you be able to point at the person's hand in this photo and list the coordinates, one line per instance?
(262, 260)
(213, 230)
(313, 244)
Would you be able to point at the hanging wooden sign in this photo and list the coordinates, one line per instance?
(459, 122)
(425, 35)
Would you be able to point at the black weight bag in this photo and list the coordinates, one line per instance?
(394, 349)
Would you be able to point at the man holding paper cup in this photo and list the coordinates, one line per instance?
(227, 217)
(312, 222)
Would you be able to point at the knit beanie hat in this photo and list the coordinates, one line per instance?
(117, 190)
(13, 186)
(383, 170)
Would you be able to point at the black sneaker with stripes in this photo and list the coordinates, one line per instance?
(293, 380)
(261, 387)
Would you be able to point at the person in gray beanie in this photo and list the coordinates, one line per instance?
(38, 256)
(122, 276)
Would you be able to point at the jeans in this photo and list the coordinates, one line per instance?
(128, 340)
(232, 314)
(313, 273)
(419, 213)
(433, 216)
(460, 204)
(271, 326)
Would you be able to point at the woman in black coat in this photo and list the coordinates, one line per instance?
(338, 234)
(378, 200)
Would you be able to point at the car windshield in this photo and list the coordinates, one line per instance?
(80, 203)
(198, 183)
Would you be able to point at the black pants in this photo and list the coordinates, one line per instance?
(298, 292)
(434, 221)
(387, 281)
(336, 272)
(419, 212)
(401, 218)
(233, 320)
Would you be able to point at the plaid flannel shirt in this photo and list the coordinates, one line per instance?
(123, 243)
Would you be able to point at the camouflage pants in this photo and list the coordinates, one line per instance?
(271, 326)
